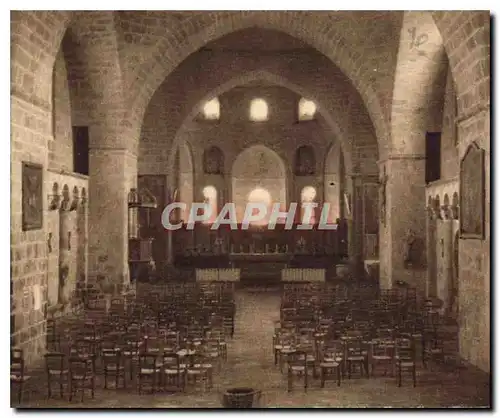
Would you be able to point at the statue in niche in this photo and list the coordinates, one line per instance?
(411, 256)
(305, 161)
(213, 161)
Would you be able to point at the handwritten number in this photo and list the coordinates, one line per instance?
(417, 41)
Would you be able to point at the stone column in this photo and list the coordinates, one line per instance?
(405, 222)
(431, 288)
(113, 143)
(82, 228)
(113, 172)
(66, 220)
(356, 226)
(169, 244)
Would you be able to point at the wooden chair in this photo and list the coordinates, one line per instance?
(57, 372)
(148, 370)
(130, 346)
(297, 366)
(199, 366)
(81, 376)
(112, 365)
(53, 338)
(17, 372)
(405, 359)
(173, 371)
(331, 364)
(356, 355)
(382, 352)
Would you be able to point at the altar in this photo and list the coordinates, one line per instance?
(258, 253)
(236, 258)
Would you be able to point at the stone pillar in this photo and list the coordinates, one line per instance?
(113, 172)
(356, 226)
(170, 247)
(82, 244)
(431, 290)
(405, 229)
(64, 253)
(113, 143)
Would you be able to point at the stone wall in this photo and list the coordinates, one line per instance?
(474, 256)
(30, 129)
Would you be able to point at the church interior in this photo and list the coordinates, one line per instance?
(376, 123)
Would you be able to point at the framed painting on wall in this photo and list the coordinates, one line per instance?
(32, 196)
(472, 193)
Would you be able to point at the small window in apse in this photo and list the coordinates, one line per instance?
(210, 196)
(307, 109)
(259, 111)
(307, 197)
(211, 109)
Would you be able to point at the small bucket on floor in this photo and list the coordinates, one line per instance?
(240, 397)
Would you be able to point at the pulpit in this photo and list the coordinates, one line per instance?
(140, 244)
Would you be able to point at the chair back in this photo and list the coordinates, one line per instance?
(54, 362)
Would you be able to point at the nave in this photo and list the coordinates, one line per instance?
(250, 363)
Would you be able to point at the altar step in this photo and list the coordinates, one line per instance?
(261, 274)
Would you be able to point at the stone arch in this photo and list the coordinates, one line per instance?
(50, 27)
(430, 43)
(421, 54)
(464, 34)
(333, 121)
(258, 166)
(96, 73)
(331, 43)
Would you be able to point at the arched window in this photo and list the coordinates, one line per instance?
(260, 195)
(210, 198)
(259, 111)
(211, 109)
(307, 196)
(307, 109)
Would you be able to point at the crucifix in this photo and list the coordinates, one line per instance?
(383, 196)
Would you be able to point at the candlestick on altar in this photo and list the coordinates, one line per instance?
(267, 248)
(286, 248)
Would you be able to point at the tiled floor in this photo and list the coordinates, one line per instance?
(250, 364)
